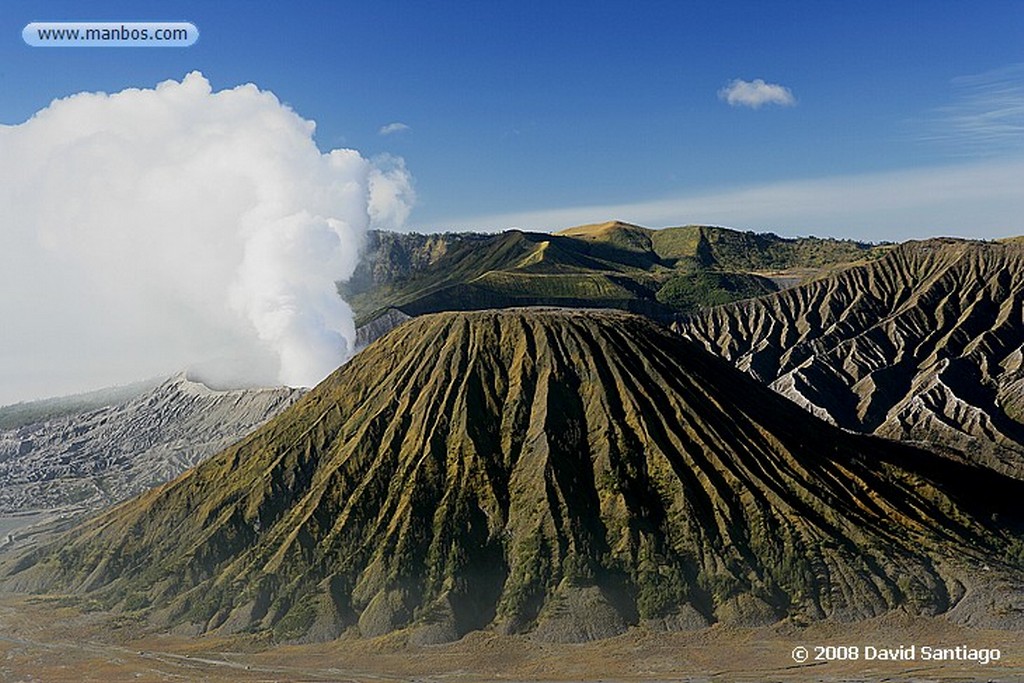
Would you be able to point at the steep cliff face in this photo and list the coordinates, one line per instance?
(103, 455)
(925, 345)
(562, 473)
(389, 257)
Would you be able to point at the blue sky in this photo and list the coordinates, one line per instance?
(906, 118)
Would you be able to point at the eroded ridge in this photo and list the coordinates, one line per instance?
(925, 344)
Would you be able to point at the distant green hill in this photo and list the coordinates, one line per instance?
(607, 265)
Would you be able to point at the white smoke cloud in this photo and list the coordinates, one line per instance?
(151, 229)
(756, 93)
(391, 192)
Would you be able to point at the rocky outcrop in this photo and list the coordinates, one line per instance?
(389, 257)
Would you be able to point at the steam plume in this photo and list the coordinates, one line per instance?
(156, 228)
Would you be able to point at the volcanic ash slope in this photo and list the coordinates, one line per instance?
(562, 473)
(925, 344)
(93, 458)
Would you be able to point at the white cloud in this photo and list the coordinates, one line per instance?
(151, 229)
(980, 200)
(392, 128)
(755, 94)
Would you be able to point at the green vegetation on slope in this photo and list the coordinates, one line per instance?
(748, 251)
(705, 289)
(611, 265)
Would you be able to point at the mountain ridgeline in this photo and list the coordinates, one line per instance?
(925, 344)
(607, 265)
(562, 473)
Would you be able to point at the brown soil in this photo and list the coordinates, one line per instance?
(41, 640)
